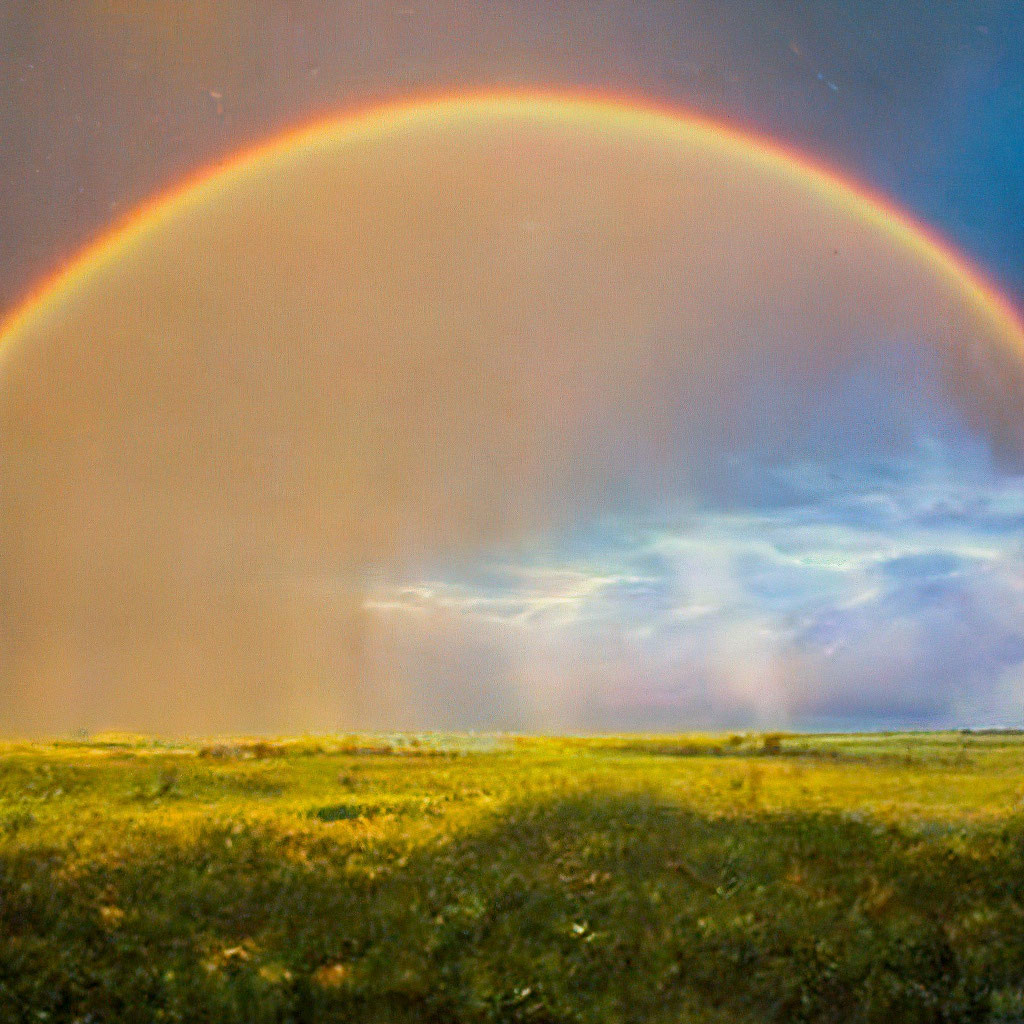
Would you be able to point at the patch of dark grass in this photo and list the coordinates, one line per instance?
(593, 908)
(348, 812)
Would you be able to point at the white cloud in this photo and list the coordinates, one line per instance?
(891, 595)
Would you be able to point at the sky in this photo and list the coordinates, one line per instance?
(833, 547)
(113, 101)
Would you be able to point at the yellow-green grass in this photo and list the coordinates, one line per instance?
(446, 878)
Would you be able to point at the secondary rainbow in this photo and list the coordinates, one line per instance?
(610, 112)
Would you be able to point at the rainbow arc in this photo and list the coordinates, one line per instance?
(603, 112)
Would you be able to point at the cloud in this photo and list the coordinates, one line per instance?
(889, 595)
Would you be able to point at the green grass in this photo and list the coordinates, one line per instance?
(870, 878)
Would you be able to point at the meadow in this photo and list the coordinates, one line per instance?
(745, 878)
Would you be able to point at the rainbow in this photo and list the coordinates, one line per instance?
(600, 111)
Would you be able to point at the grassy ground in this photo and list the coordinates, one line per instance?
(445, 879)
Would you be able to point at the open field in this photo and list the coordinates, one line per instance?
(445, 878)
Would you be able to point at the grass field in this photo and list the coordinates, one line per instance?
(446, 878)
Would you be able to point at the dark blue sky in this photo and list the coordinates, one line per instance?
(105, 102)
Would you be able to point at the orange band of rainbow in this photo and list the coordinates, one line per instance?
(608, 112)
